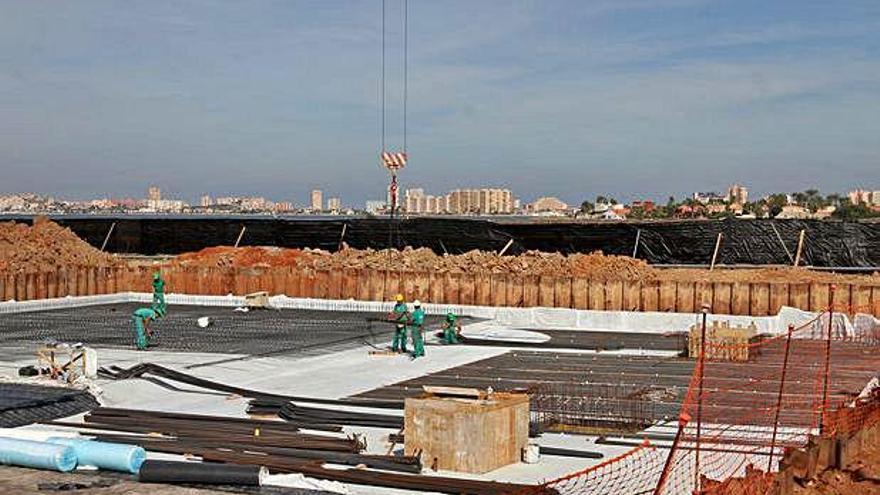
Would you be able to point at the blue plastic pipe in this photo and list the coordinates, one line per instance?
(105, 455)
(39, 455)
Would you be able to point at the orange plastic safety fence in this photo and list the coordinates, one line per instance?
(746, 402)
(634, 472)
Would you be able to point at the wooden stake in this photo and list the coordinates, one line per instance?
(341, 237)
(800, 248)
(240, 235)
(506, 247)
(107, 237)
(636, 246)
(715, 253)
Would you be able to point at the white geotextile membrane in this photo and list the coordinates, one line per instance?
(502, 317)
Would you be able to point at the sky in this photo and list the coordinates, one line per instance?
(627, 98)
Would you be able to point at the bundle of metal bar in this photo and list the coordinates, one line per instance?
(235, 430)
(308, 415)
(439, 484)
(117, 373)
(201, 448)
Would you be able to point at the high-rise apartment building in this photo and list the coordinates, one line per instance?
(738, 194)
(460, 202)
(206, 201)
(154, 193)
(317, 203)
(334, 204)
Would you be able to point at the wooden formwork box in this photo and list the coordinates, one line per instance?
(467, 435)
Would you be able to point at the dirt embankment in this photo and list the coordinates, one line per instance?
(46, 244)
(594, 265)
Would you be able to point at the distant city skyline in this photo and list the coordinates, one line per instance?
(576, 99)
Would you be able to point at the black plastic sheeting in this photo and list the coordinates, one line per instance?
(757, 242)
(23, 404)
(174, 472)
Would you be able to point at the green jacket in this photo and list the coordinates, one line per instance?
(400, 312)
(418, 317)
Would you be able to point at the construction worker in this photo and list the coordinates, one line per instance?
(158, 304)
(400, 316)
(142, 317)
(140, 320)
(417, 329)
(451, 329)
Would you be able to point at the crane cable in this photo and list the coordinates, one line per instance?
(383, 105)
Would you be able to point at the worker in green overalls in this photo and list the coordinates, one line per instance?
(158, 305)
(451, 329)
(400, 316)
(417, 329)
(142, 317)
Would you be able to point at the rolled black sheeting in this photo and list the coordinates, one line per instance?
(200, 473)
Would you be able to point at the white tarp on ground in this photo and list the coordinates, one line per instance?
(538, 318)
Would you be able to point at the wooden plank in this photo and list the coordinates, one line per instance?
(377, 285)
(614, 295)
(349, 284)
(759, 304)
(51, 285)
(435, 287)
(421, 286)
(875, 300)
(651, 296)
(740, 298)
(452, 284)
(530, 291)
(18, 284)
(819, 297)
(703, 296)
(667, 296)
(722, 294)
(632, 295)
(562, 292)
(365, 284)
(82, 282)
(30, 286)
(482, 290)
(499, 289)
(42, 290)
(684, 297)
(467, 292)
(799, 296)
(546, 291)
(408, 284)
(91, 281)
(515, 291)
(778, 297)
(861, 299)
(579, 294)
(843, 299)
(322, 284)
(596, 291)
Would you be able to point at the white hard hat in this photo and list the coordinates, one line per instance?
(417, 303)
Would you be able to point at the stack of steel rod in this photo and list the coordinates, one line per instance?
(217, 428)
(304, 416)
(276, 445)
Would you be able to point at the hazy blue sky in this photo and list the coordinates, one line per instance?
(570, 98)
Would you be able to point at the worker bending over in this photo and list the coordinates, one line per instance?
(417, 329)
(400, 316)
(451, 329)
(142, 317)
